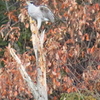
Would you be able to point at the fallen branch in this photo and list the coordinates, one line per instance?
(23, 72)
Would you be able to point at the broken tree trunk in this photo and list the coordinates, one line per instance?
(38, 89)
(38, 40)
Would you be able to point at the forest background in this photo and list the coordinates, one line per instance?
(72, 47)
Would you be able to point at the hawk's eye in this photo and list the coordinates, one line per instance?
(31, 2)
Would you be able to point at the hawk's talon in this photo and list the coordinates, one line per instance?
(32, 21)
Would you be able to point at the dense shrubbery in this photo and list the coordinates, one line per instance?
(76, 96)
(72, 46)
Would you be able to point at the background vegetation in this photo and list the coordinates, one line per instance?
(72, 46)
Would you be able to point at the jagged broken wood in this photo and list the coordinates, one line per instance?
(23, 72)
(38, 89)
(38, 40)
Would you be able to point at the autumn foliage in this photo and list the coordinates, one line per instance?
(72, 49)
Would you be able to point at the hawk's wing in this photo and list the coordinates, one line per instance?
(47, 13)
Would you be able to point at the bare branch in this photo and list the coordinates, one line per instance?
(23, 72)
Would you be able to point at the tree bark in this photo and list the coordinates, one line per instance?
(38, 40)
(38, 89)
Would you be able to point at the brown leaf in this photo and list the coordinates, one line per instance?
(98, 67)
(27, 25)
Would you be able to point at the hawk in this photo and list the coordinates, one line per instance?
(39, 13)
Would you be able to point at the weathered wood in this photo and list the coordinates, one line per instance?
(38, 40)
(38, 89)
